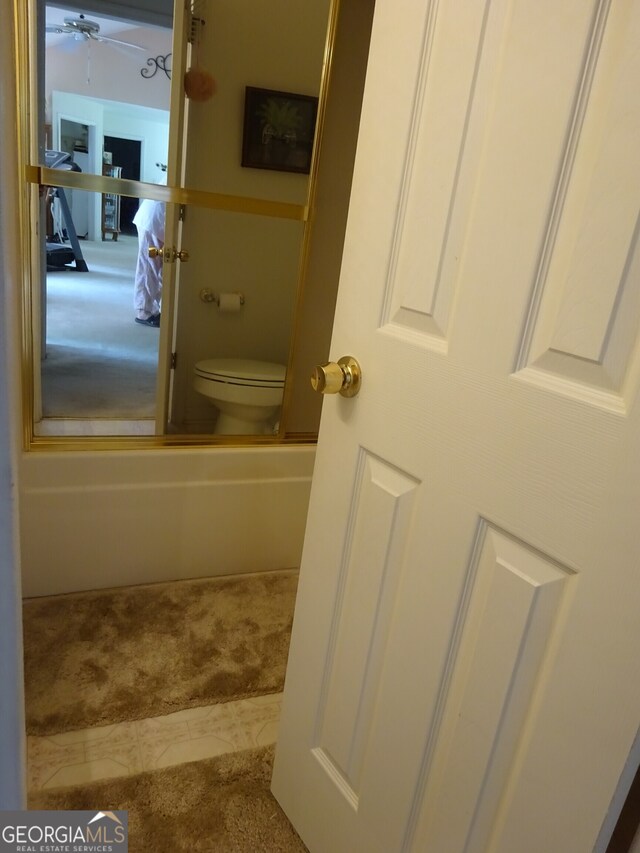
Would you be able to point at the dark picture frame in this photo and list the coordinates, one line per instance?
(278, 130)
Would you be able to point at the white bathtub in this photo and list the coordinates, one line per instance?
(95, 520)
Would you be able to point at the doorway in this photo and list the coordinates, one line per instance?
(75, 140)
(126, 153)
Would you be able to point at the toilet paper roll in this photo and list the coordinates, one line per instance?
(229, 303)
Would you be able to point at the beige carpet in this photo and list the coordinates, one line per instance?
(99, 362)
(100, 383)
(221, 805)
(129, 653)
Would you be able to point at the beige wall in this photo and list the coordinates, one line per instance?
(275, 45)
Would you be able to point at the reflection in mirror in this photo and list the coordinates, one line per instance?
(112, 120)
(97, 101)
(278, 47)
(102, 113)
(235, 301)
(274, 51)
(99, 343)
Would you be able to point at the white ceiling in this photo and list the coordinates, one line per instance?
(146, 13)
(108, 27)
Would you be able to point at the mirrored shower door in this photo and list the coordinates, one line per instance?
(95, 368)
(249, 183)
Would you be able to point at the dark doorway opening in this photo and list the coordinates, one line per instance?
(126, 153)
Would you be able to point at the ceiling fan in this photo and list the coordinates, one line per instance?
(83, 29)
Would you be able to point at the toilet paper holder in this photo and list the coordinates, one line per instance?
(207, 295)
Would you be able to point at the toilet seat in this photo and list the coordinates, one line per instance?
(248, 394)
(241, 371)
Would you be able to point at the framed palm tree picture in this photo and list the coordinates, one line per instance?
(278, 130)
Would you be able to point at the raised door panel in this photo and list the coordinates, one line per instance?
(371, 568)
(509, 610)
(442, 150)
(581, 337)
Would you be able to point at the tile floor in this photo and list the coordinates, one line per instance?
(126, 748)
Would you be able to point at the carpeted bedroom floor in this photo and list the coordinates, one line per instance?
(99, 363)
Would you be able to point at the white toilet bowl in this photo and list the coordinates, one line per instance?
(248, 394)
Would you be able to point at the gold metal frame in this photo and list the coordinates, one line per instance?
(158, 192)
(36, 176)
(334, 12)
(24, 96)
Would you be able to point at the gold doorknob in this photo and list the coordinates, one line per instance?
(343, 377)
(168, 255)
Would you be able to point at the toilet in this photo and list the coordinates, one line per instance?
(247, 393)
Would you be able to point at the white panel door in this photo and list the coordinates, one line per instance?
(464, 672)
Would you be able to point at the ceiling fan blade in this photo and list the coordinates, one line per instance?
(109, 40)
(69, 46)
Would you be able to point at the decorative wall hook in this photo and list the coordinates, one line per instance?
(157, 63)
(195, 29)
